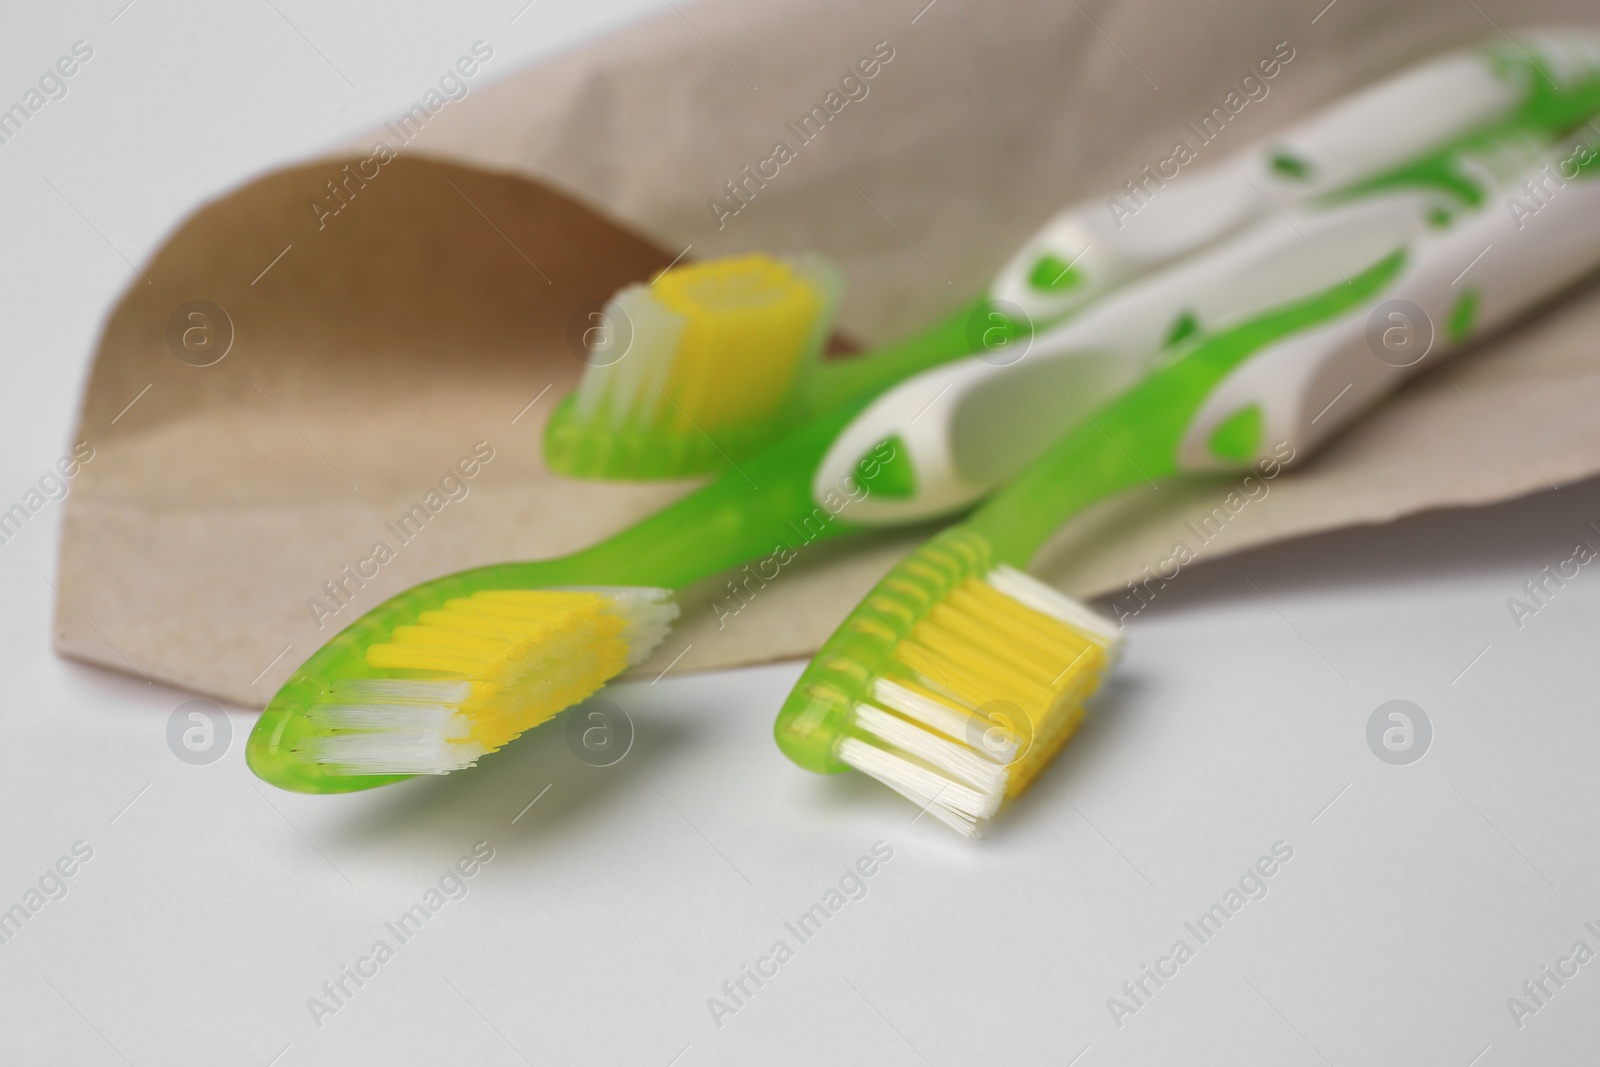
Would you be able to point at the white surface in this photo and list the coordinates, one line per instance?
(213, 907)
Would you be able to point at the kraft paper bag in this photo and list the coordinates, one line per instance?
(331, 383)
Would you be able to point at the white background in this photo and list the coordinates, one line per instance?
(1415, 904)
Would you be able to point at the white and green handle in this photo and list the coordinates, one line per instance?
(1534, 82)
(1391, 286)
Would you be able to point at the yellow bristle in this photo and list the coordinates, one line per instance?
(999, 640)
(984, 648)
(531, 653)
(748, 323)
(1057, 732)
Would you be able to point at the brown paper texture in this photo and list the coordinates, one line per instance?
(375, 349)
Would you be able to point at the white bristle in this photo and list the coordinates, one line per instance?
(966, 764)
(944, 714)
(924, 757)
(632, 348)
(394, 736)
(441, 719)
(403, 690)
(953, 804)
(392, 752)
(1056, 604)
(648, 612)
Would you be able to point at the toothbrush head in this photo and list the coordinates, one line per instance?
(695, 370)
(954, 683)
(433, 679)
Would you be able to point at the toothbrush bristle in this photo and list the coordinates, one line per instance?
(980, 690)
(468, 677)
(697, 366)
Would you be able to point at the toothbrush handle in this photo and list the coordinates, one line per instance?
(762, 505)
(1362, 143)
(1136, 437)
(1480, 272)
